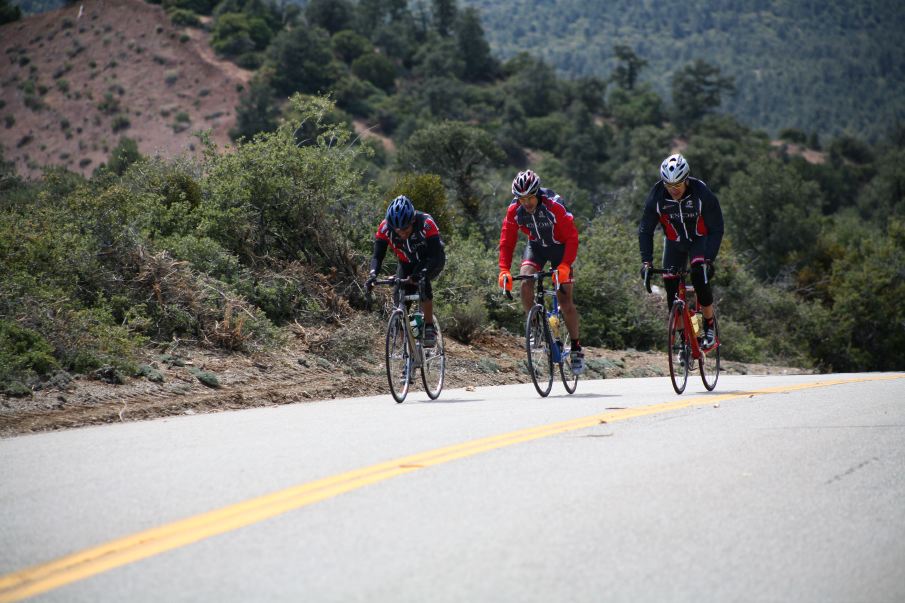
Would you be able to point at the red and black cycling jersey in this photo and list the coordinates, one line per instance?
(550, 224)
(424, 247)
(695, 215)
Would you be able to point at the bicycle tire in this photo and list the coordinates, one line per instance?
(398, 357)
(569, 379)
(709, 362)
(677, 374)
(433, 369)
(538, 344)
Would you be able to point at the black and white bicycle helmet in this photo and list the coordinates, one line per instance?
(674, 169)
(526, 183)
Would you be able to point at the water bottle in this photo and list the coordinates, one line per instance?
(696, 323)
(417, 321)
(554, 322)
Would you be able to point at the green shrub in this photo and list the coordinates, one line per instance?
(275, 198)
(120, 122)
(206, 377)
(464, 289)
(183, 18)
(376, 69)
(349, 45)
(428, 195)
(24, 354)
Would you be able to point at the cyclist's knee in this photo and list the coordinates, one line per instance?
(701, 287)
(565, 300)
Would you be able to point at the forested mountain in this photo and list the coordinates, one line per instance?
(828, 66)
(823, 67)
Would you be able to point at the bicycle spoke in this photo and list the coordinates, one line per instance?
(398, 357)
(569, 379)
(433, 370)
(709, 363)
(677, 350)
(537, 343)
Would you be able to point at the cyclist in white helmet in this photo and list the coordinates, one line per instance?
(692, 222)
(552, 237)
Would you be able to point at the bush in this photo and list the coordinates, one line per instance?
(183, 18)
(464, 289)
(273, 198)
(120, 122)
(24, 355)
(376, 69)
(349, 45)
(428, 195)
(235, 34)
(615, 310)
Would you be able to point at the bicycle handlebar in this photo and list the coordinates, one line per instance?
(651, 271)
(393, 280)
(534, 277)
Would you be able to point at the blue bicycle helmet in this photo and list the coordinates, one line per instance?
(401, 212)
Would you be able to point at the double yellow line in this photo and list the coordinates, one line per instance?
(113, 554)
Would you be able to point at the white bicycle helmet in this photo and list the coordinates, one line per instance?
(525, 183)
(674, 169)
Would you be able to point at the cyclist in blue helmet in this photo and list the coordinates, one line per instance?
(692, 223)
(415, 239)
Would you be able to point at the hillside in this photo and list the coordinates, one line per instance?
(824, 67)
(77, 79)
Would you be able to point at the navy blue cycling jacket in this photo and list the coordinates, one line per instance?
(697, 214)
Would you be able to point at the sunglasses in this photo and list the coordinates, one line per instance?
(675, 186)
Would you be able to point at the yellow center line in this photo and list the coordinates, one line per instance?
(115, 553)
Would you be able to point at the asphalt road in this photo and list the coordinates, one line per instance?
(772, 488)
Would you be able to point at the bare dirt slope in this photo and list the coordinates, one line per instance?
(312, 366)
(75, 80)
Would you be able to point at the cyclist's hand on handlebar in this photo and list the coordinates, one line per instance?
(505, 280)
(563, 275)
(646, 268)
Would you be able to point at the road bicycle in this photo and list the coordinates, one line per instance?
(405, 351)
(547, 339)
(685, 331)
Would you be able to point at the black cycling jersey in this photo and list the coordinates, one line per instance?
(423, 248)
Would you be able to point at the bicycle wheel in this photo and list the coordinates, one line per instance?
(433, 369)
(537, 344)
(709, 362)
(569, 379)
(677, 346)
(398, 356)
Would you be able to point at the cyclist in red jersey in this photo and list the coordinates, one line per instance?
(552, 237)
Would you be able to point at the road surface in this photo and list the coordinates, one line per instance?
(771, 488)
